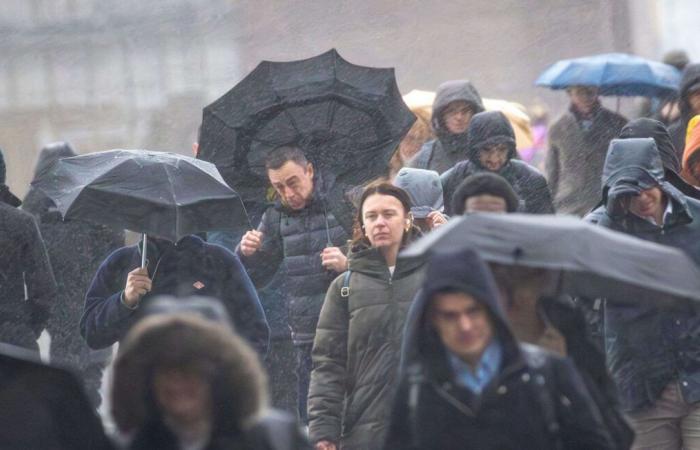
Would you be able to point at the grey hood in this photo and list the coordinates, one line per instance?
(424, 188)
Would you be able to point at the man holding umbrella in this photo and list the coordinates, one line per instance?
(652, 352)
(301, 234)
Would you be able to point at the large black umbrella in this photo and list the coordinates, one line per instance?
(348, 119)
(163, 194)
(593, 261)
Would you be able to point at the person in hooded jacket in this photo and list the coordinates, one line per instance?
(121, 287)
(6, 196)
(470, 385)
(456, 102)
(652, 352)
(425, 190)
(578, 141)
(689, 105)
(358, 339)
(492, 148)
(75, 248)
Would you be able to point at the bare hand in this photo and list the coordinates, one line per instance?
(251, 242)
(334, 259)
(137, 285)
(325, 445)
(435, 219)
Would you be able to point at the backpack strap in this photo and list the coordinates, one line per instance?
(345, 289)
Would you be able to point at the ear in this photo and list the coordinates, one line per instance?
(310, 169)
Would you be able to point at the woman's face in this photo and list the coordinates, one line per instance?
(385, 220)
(183, 397)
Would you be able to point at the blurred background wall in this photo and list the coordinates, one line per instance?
(136, 74)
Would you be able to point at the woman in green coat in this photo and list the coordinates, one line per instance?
(358, 339)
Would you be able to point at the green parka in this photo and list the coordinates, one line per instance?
(357, 349)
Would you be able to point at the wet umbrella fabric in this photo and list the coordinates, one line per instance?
(163, 194)
(348, 120)
(614, 74)
(594, 262)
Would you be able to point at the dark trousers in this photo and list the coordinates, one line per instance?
(303, 372)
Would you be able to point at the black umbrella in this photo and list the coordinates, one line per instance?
(593, 261)
(163, 194)
(348, 119)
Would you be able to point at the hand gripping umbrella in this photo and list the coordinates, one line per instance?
(592, 261)
(163, 194)
(614, 74)
(348, 120)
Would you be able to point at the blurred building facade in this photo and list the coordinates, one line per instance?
(136, 74)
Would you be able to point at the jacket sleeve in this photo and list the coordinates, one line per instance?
(248, 315)
(551, 168)
(580, 421)
(105, 318)
(542, 204)
(329, 374)
(263, 264)
(448, 189)
(38, 277)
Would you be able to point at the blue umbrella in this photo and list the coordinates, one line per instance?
(613, 74)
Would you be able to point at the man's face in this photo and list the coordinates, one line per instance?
(694, 101)
(584, 98)
(293, 183)
(457, 116)
(649, 203)
(181, 396)
(463, 324)
(485, 203)
(384, 220)
(493, 157)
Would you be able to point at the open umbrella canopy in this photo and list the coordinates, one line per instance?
(163, 194)
(613, 74)
(593, 261)
(348, 120)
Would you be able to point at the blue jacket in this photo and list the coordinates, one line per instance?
(178, 270)
(648, 347)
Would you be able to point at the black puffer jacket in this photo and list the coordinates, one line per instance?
(489, 128)
(648, 347)
(678, 129)
(294, 240)
(448, 149)
(27, 284)
(535, 401)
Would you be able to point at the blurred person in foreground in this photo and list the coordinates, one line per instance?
(456, 102)
(425, 190)
(358, 340)
(491, 148)
(184, 380)
(470, 384)
(652, 351)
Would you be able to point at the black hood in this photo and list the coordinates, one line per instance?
(448, 92)
(462, 271)
(689, 81)
(650, 128)
(36, 202)
(488, 128)
(633, 165)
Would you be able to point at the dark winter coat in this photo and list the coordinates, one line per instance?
(44, 407)
(489, 128)
(356, 351)
(76, 248)
(536, 401)
(174, 270)
(650, 128)
(574, 162)
(679, 128)
(648, 347)
(293, 241)
(27, 284)
(5, 195)
(447, 149)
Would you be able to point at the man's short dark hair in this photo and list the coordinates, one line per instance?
(281, 155)
(484, 183)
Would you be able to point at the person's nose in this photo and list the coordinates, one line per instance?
(465, 322)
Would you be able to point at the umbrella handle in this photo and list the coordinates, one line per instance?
(143, 251)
